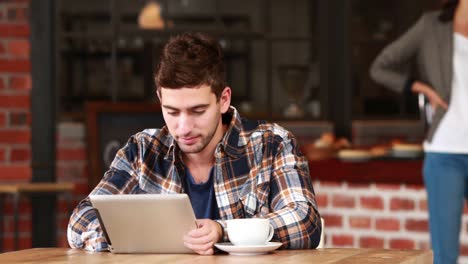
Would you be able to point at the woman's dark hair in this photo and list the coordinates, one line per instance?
(190, 60)
(448, 10)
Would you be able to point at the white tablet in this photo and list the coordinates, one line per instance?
(145, 223)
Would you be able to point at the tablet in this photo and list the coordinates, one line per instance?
(145, 223)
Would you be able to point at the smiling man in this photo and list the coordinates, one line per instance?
(230, 167)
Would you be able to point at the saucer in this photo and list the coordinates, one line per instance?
(248, 250)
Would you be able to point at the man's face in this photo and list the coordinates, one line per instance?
(193, 116)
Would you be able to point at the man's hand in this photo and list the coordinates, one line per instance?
(202, 239)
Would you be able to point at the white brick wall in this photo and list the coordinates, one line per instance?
(397, 219)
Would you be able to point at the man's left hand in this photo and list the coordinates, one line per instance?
(202, 239)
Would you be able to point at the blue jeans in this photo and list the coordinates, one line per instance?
(446, 181)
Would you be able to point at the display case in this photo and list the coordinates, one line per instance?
(299, 60)
(107, 50)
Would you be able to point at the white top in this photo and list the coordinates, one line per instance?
(452, 133)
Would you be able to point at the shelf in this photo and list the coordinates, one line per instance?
(244, 33)
(288, 39)
(83, 52)
(152, 34)
(87, 35)
(132, 17)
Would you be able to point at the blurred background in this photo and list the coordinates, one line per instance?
(76, 79)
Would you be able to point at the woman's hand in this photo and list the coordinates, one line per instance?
(434, 99)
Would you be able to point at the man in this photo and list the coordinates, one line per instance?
(229, 167)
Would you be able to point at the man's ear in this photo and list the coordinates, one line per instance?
(158, 94)
(225, 99)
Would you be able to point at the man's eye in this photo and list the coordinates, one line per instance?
(172, 113)
(199, 112)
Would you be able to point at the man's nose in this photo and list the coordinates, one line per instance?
(184, 125)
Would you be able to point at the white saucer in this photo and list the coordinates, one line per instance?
(248, 250)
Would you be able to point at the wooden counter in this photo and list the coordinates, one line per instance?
(38, 187)
(406, 171)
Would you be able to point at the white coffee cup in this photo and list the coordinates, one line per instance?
(249, 231)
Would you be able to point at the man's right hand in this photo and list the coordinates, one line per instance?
(202, 239)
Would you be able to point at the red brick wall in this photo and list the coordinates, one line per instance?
(71, 167)
(15, 128)
(367, 215)
(15, 87)
(15, 116)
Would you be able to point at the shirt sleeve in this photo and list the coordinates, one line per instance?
(294, 212)
(83, 229)
(392, 67)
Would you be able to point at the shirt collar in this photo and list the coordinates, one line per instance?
(233, 143)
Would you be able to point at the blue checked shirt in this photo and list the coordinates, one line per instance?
(259, 172)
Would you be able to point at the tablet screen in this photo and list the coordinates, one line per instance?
(145, 223)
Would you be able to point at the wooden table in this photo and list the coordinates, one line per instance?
(326, 255)
(17, 190)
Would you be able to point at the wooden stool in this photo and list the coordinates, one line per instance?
(16, 190)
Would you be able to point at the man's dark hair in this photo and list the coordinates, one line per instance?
(448, 10)
(191, 60)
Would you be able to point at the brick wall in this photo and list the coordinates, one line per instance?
(15, 116)
(15, 128)
(15, 86)
(378, 216)
(71, 167)
(368, 215)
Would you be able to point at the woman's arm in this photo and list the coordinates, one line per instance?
(391, 68)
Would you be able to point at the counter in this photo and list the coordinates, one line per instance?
(407, 171)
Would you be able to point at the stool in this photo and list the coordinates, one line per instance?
(16, 190)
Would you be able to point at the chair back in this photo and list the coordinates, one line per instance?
(322, 234)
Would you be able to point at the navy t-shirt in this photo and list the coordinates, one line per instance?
(202, 197)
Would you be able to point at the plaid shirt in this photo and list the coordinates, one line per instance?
(259, 172)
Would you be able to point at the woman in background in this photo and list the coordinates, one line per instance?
(438, 46)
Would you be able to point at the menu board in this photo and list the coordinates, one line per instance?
(110, 125)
